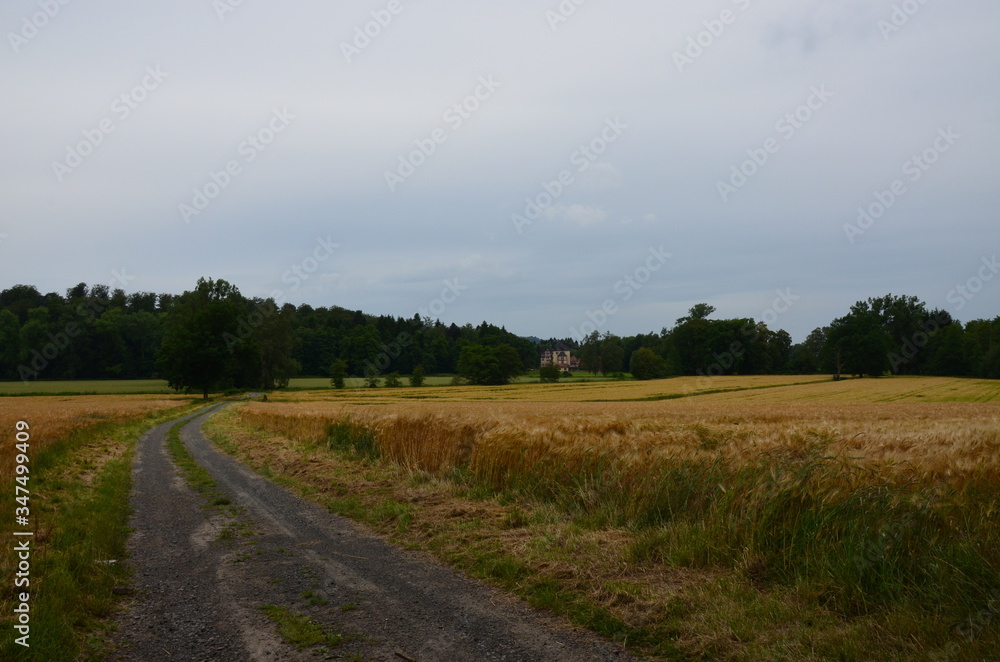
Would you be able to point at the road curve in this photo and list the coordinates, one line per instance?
(199, 597)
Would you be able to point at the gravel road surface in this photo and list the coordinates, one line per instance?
(200, 589)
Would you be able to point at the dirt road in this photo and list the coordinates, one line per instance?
(200, 588)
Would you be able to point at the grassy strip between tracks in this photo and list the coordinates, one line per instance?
(197, 476)
(301, 631)
(79, 510)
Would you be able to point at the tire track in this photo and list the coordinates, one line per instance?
(201, 598)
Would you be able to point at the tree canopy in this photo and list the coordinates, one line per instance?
(489, 366)
(215, 338)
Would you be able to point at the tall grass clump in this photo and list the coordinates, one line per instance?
(860, 541)
(352, 437)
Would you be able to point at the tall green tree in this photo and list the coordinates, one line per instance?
(647, 364)
(274, 339)
(590, 352)
(982, 347)
(195, 354)
(10, 344)
(549, 374)
(699, 311)
(857, 343)
(338, 372)
(20, 299)
(779, 350)
(945, 353)
(489, 366)
(807, 356)
(612, 353)
(142, 332)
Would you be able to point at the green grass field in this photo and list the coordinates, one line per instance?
(154, 386)
(310, 383)
(86, 387)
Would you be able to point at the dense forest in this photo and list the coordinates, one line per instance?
(214, 333)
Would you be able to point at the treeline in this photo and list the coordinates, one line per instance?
(890, 334)
(213, 331)
(98, 333)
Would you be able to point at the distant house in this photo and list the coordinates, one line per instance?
(562, 357)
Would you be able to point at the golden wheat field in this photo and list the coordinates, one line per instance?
(52, 418)
(931, 424)
(570, 391)
(867, 504)
(763, 388)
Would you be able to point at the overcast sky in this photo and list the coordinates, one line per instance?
(280, 147)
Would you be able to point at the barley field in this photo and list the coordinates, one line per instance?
(872, 502)
(581, 391)
(86, 387)
(54, 418)
(942, 425)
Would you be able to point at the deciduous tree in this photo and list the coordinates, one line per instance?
(194, 354)
(492, 366)
(647, 364)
